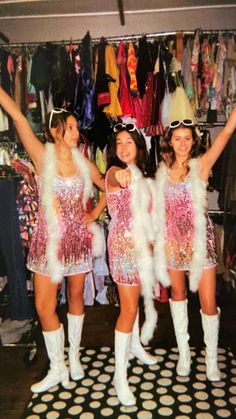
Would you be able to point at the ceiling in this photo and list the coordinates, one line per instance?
(17, 16)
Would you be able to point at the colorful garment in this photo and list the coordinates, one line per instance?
(74, 251)
(124, 93)
(184, 234)
(129, 238)
(121, 251)
(132, 68)
(179, 234)
(113, 109)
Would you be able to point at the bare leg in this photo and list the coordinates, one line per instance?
(46, 302)
(75, 294)
(178, 288)
(129, 298)
(207, 292)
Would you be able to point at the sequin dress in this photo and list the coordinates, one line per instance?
(74, 249)
(179, 232)
(121, 253)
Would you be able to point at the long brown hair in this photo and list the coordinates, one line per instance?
(167, 152)
(58, 119)
(142, 153)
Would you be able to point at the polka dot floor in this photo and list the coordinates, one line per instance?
(159, 391)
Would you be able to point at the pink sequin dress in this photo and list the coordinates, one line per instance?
(122, 260)
(179, 232)
(74, 250)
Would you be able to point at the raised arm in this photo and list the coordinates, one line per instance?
(31, 143)
(208, 159)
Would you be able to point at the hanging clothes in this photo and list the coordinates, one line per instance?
(85, 86)
(132, 69)
(144, 65)
(113, 109)
(102, 94)
(124, 92)
(11, 248)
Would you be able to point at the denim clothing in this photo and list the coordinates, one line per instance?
(12, 251)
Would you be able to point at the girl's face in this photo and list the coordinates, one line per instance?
(71, 136)
(182, 141)
(126, 149)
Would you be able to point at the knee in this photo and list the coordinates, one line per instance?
(178, 295)
(129, 314)
(75, 297)
(44, 307)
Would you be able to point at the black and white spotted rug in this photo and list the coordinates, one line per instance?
(159, 391)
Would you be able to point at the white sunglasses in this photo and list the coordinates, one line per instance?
(185, 122)
(130, 127)
(55, 111)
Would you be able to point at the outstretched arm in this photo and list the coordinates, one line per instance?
(208, 159)
(118, 178)
(31, 143)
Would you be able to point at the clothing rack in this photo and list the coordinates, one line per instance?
(116, 39)
(211, 124)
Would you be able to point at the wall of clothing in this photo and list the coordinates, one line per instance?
(145, 79)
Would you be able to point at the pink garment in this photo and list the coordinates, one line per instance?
(74, 250)
(122, 260)
(179, 234)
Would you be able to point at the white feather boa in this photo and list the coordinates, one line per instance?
(142, 235)
(48, 175)
(199, 247)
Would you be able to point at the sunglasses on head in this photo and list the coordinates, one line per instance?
(128, 127)
(55, 111)
(185, 122)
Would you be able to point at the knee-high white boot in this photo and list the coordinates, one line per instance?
(179, 312)
(75, 325)
(136, 349)
(122, 350)
(58, 372)
(210, 326)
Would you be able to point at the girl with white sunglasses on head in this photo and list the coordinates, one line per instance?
(184, 235)
(64, 235)
(130, 257)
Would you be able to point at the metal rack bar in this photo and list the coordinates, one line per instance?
(131, 37)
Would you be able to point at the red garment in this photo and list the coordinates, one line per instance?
(124, 93)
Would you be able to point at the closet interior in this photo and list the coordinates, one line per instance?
(138, 78)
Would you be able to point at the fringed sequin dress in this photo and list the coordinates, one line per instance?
(179, 233)
(121, 252)
(74, 250)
